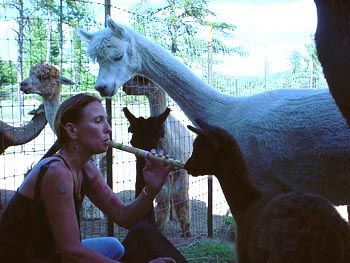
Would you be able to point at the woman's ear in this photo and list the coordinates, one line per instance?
(71, 130)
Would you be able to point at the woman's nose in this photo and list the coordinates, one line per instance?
(108, 127)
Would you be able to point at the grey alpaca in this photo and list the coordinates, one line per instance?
(146, 134)
(291, 227)
(177, 142)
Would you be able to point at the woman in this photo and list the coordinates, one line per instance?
(41, 222)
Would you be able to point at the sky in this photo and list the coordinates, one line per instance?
(280, 24)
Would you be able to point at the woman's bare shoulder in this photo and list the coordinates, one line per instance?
(54, 172)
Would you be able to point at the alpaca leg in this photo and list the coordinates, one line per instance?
(180, 201)
(162, 209)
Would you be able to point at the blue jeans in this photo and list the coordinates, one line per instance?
(110, 247)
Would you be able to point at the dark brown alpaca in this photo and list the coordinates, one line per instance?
(333, 48)
(292, 227)
(146, 134)
(332, 40)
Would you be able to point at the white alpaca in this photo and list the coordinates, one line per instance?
(46, 81)
(290, 139)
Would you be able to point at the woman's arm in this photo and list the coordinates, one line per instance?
(126, 215)
(57, 195)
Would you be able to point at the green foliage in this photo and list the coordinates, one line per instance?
(230, 222)
(306, 70)
(210, 251)
(35, 45)
(43, 34)
(8, 72)
(182, 20)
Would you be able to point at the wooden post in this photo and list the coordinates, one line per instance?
(210, 177)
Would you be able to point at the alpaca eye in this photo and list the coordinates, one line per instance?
(118, 58)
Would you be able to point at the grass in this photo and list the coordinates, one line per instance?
(210, 250)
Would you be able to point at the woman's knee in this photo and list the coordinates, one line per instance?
(110, 247)
(116, 248)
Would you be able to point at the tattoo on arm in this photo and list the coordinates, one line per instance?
(62, 188)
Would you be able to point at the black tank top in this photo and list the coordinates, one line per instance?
(25, 235)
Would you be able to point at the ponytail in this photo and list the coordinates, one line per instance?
(53, 149)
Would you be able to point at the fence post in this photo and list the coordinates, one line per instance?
(210, 178)
(109, 156)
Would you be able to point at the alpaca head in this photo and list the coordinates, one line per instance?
(146, 132)
(44, 80)
(115, 51)
(214, 149)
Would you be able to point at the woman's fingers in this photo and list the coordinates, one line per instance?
(159, 153)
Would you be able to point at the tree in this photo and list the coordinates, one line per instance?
(306, 70)
(178, 26)
(182, 21)
(8, 72)
(314, 65)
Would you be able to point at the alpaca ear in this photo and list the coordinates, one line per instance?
(84, 35)
(115, 27)
(66, 81)
(195, 130)
(161, 118)
(129, 115)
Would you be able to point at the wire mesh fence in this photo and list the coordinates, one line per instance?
(38, 31)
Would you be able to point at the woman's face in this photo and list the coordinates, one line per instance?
(93, 130)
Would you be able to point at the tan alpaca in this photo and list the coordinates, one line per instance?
(45, 80)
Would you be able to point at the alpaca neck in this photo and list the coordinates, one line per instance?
(140, 164)
(51, 108)
(238, 188)
(191, 93)
(157, 101)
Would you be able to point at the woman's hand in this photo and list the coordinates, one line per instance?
(162, 260)
(155, 173)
